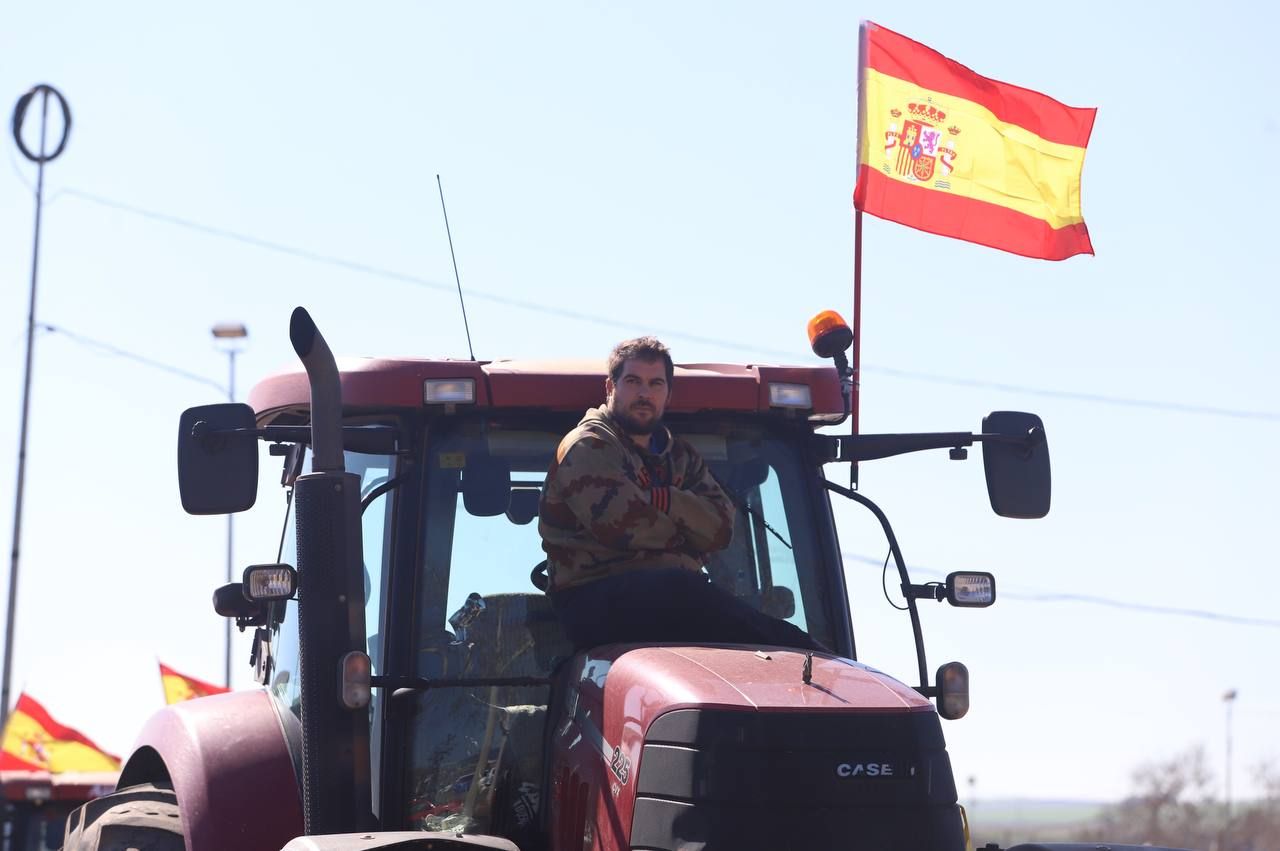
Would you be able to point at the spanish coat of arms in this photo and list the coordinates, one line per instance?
(920, 148)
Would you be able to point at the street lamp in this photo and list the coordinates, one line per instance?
(1229, 697)
(44, 155)
(228, 336)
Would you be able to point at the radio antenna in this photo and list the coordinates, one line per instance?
(465, 325)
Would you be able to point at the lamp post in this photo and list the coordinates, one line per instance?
(1229, 698)
(229, 336)
(40, 156)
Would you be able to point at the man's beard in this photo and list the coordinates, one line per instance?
(631, 425)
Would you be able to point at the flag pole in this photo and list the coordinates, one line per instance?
(857, 244)
(857, 313)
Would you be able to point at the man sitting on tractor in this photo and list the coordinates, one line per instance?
(628, 516)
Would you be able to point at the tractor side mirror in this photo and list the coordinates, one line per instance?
(523, 504)
(217, 459)
(486, 485)
(778, 601)
(1017, 468)
(748, 474)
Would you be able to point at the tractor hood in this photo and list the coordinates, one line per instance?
(647, 681)
(622, 690)
(675, 733)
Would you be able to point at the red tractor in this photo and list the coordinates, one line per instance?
(418, 692)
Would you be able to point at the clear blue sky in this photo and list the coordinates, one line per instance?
(682, 169)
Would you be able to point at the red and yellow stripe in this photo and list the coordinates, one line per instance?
(34, 741)
(948, 151)
(179, 687)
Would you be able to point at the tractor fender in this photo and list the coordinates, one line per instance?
(234, 762)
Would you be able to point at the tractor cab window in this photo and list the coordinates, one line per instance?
(374, 470)
(476, 746)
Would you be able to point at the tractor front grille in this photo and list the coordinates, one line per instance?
(723, 780)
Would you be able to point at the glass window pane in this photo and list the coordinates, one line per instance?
(781, 556)
(376, 541)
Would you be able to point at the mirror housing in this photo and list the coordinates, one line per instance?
(486, 485)
(1017, 468)
(522, 507)
(778, 601)
(217, 470)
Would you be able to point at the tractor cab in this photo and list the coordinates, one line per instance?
(459, 631)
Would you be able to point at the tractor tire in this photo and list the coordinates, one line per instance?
(139, 818)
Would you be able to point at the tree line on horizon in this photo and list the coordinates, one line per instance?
(1175, 803)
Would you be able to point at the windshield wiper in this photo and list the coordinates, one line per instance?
(745, 505)
(389, 484)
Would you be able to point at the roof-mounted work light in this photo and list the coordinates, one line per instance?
(449, 391)
(269, 583)
(784, 395)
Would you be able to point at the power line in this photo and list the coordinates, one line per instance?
(91, 343)
(1059, 597)
(535, 307)
(400, 277)
(1202, 614)
(1178, 407)
(280, 248)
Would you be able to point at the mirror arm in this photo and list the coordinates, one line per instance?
(1033, 438)
(868, 447)
(371, 441)
(276, 434)
(903, 576)
(928, 591)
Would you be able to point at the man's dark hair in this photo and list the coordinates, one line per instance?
(647, 349)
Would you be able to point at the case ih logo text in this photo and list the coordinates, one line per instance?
(864, 769)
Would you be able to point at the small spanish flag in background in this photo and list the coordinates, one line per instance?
(948, 151)
(180, 687)
(33, 741)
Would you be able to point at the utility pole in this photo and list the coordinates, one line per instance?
(39, 157)
(1230, 699)
(230, 334)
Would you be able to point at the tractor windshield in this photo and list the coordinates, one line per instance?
(475, 747)
(483, 485)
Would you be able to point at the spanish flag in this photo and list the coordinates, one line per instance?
(951, 152)
(33, 741)
(180, 687)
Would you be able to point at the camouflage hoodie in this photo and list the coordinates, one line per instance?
(610, 506)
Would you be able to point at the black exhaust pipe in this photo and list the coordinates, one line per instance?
(335, 740)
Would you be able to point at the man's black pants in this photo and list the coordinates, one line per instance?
(657, 605)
